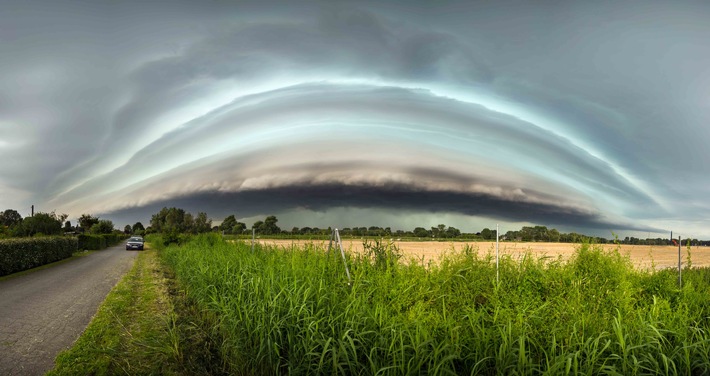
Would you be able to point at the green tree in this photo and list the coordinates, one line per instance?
(138, 228)
(86, 221)
(269, 226)
(127, 229)
(202, 223)
(228, 224)
(41, 223)
(188, 223)
(421, 232)
(452, 232)
(104, 226)
(10, 218)
(239, 228)
(487, 234)
(168, 220)
(67, 227)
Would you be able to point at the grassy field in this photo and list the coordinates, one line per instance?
(291, 310)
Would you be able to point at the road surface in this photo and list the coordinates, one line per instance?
(44, 312)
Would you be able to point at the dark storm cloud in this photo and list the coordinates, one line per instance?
(442, 126)
(110, 105)
(397, 198)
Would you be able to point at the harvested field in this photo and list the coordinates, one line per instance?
(642, 256)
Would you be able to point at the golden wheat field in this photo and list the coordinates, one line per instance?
(642, 256)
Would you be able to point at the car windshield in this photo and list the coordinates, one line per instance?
(135, 240)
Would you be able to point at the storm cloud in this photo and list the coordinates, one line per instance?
(593, 117)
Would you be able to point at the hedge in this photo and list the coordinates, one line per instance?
(26, 253)
(98, 242)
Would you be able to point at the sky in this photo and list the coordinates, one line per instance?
(591, 117)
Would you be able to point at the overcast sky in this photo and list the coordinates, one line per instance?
(585, 116)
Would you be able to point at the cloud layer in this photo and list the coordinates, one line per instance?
(589, 117)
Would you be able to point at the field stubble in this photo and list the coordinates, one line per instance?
(641, 256)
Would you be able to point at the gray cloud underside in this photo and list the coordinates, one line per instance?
(601, 107)
(424, 131)
(396, 198)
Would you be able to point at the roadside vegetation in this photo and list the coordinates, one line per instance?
(40, 239)
(25, 253)
(292, 310)
(141, 328)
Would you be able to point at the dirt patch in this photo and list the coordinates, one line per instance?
(642, 256)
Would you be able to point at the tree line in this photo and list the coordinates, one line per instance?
(12, 224)
(178, 221)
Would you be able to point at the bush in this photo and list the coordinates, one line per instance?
(98, 242)
(91, 242)
(22, 254)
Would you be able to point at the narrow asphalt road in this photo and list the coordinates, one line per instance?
(44, 312)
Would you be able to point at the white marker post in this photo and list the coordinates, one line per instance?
(680, 280)
(497, 255)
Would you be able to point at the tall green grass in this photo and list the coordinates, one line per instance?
(291, 310)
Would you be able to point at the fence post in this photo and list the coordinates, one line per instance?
(342, 253)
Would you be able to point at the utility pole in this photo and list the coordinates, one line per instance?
(33, 210)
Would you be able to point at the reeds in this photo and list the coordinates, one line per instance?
(291, 310)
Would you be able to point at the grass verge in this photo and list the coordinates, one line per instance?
(138, 330)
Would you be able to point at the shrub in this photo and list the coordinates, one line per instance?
(91, 242)
(22, 254)
(98, 242)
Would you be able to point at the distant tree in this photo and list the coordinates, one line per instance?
(188, 223)
(452, 232)
(295, 231)
(176, 220)
(487, 234)
(138, 228)
(203, 224)
(87, 220)
(127, 229)
(10, 218)
(67, 227)
(104, 226)
(228, 224)
(239, 228)
(439, 231)
(41, 223)
(268, 226)
(421, 232)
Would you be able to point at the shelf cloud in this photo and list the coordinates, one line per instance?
(588, 117)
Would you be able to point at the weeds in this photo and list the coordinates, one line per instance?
(289, 310)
